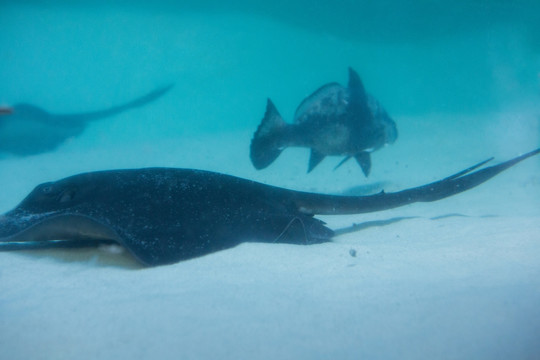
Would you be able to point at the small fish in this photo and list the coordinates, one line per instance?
(334, 120)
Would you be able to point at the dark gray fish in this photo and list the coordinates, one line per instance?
(164, 215)
(334, 120)
(26, 129)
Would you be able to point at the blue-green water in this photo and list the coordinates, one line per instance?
(452, 279)
(416, 57)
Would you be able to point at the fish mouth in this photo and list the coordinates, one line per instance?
(24, 231)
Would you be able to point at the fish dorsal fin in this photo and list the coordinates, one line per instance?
(356, 86)
(314, 159)
(358, 102)
(364, 160)
(329, 100)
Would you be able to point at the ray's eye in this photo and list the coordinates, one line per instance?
(47, 190)
(66, 195)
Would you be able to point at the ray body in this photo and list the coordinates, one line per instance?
(26, 129)
(165, 215)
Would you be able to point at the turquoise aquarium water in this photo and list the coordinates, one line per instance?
(174, 84)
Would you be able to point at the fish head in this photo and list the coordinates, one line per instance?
(55, 213)
(29, 112)
(380, 117)
(139, 209)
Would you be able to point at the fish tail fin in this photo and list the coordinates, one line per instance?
(265, 145)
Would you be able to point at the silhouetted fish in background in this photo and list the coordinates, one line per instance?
(5, 110)
(164, 215)
(26, 129)
(334, 120)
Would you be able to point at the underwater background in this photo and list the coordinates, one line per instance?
(460, 78)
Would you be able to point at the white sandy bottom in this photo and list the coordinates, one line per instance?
(454, 288)
(458, 278)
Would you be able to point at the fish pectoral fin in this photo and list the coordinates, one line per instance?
(342, 162)
(364, 160)
(304, 230)
(314, 159)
